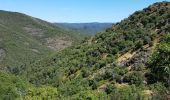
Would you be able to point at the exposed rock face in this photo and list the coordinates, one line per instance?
(2, 54)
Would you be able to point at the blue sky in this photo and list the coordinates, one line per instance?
(77, 10)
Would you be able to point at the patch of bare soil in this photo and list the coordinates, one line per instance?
(121, 85)
(58, 44)
(155, 42)
(125, 57)
(148, 93)
(102, 88)
(104, 56)
(89, 42)
(33, 31)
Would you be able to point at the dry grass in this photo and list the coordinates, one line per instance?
(155, 42)
(125, 56)
(147, 92)
(102, 88)
(121, 85)
(89, 42)
(104, 56)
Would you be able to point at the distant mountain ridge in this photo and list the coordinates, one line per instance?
(86, 28)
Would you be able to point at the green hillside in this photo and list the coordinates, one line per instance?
(129, 61)
(16, 88)
(114, 64)
(24, 39)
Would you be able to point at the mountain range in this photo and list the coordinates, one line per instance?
(86, 28)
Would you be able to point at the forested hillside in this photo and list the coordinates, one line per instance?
(17, 88)
(24, 39)
(116, 63)
(129, 61)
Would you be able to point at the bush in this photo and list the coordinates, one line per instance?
(108, 74)
(139, 44)
(85, 73)
(134, 78)
(93, 84)
(72, 70)
(139, 67)
(118, 79)
(160, 61)
(147, 40)
(109, 89)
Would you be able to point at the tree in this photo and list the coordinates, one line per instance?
(109, 89)
(160, 61)
(139, 44)
(160, 65)
(134, 78)
(85, 73)
(108, 74)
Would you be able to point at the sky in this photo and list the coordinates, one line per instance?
(77, 11)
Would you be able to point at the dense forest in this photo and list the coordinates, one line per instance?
(129, 61)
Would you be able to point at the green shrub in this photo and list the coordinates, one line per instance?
(134, 78)
(159, 63)
(109, 88)
(85, 73)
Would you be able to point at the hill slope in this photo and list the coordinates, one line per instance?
(16, 88)
(113, 63)
(86, 28)
(24, 39)
(128, 61)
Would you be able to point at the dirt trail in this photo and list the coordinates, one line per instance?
(78, 73)
(147, 92)
(104, 56)
(102, 87)
(126, 56)
(89, 42)
(155, 42)
(121, 85)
